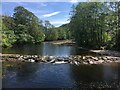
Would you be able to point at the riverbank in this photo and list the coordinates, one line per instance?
(72, 59)
(107, 52)
(72, 43)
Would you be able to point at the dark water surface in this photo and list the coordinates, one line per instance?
(36, 75)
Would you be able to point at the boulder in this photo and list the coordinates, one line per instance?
(51, 57)
(31, 60)
(85, 63)
(95, 58)
(91, 62)
(52, 61)
(100, 61)
(83, 57)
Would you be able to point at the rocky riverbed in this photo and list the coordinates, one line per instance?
(72, 59)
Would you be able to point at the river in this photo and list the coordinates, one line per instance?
(44, 75)
(45, 49)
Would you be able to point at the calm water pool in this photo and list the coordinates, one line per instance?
(36, 75)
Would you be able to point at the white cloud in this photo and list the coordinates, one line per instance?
(74, 1)
(37, 11)
(51, 14)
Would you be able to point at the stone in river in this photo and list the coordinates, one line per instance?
(51, 57)
(91, 62)
(31, 60)
(95, 58)
(59, 62)
(20, 58)
(76, 63)
(52, 61)
(100, 61)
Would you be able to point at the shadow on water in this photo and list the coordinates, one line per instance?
(104, 75)
(36, 75)
(24, 49)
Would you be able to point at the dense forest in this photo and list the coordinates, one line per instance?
(96, 25)
(93, 25)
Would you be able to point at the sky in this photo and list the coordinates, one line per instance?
(57, 13)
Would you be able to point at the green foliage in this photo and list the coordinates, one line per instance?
(93, 24)
(8, 22)
(28, 26)
(25, 27)
(39, 37)
(64, 32)
(61, 34)
(118, 25)
(8, 37)
(51, 34)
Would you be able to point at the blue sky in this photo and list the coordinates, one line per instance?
(56, 12)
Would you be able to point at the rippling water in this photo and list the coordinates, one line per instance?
(36, 75)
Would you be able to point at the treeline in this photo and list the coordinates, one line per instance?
(24, 27)
(96, 25)
(93, 25)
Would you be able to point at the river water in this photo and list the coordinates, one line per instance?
(45, 49)
(44, 75)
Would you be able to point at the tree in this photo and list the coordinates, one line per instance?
(65, 32)
(117, 11)
(51, 34)
(28, 26)
(48, 25)
(8, 22)
(8, 37)
(88, 24)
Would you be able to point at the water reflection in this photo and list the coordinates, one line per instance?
(57, 50)
(24, 49)
(106, 75)
(87, 73)
(110, 72)
(35, 75)
(42, 49)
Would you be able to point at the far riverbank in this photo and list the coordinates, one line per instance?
(71, 42)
